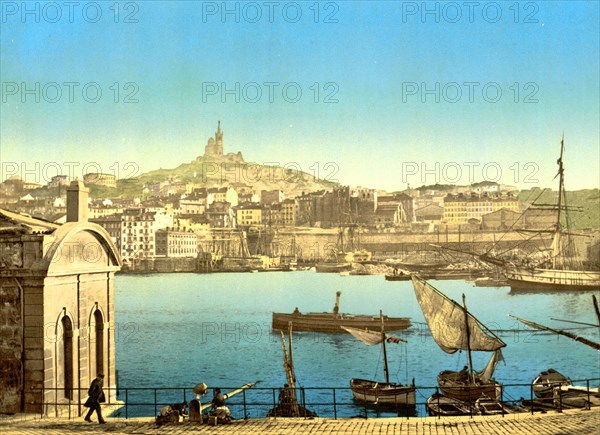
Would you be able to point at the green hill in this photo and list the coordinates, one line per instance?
(209, 173)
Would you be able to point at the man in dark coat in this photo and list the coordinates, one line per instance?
(96, 396)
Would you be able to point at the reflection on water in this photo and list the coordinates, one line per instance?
(176, 330)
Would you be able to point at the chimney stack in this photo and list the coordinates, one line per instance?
(77, 202)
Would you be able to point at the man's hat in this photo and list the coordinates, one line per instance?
(101, 375)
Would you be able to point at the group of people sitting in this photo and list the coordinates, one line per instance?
(172, 413)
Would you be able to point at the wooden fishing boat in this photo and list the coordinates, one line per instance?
(383, 393)
(571, 396)
(452, 385)
(288, 405)
(544, 384)
(398, 275)
(487, 406)
(331, 322)
(441, 405)
(333, 267)
(453, 328)
(487, 281)
(380, 393)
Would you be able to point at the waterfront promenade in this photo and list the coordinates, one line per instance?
(580, 422)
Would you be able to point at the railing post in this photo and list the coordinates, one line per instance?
(531, 397)
(274, 403)
(303, 399)
(334, 406)
(559, 399)
(502, 400)
(245, 411)
(126, 403)
(589, 404)
(471, 406)
(155, 410)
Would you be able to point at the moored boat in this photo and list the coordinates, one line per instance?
(440, 405)
(487, 281)
(544, 384)
(571, 396)
(398, 275)
(383, 393)
(453, 328)
(563, 269)
(333, 267)
(288, 405)
(380, 393)
(487, 406)
(453, 385)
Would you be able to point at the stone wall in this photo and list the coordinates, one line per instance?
(314, 245)
(11, 379)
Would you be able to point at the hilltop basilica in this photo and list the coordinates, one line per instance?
(214, 148)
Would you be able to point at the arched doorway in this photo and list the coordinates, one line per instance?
(67, 338)
(99, 342)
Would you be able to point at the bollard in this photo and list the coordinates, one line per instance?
(195, 414)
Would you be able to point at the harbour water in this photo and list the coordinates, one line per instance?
(177, 330)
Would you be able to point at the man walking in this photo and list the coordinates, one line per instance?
(96, 397)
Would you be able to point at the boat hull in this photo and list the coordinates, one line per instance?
(486, 406)
(333, 267)
(552, 279)
(328, 322)
(467, 392)
(399, 277)
(543, 386)
(381, 393)
(446, 406)
(570, 396)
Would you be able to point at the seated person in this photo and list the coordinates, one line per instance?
(463, 375)
(218, 405)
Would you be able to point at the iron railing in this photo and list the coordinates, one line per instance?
(256, 402)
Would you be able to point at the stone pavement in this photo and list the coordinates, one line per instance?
(576, 422)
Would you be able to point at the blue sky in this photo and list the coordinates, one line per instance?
(405, 96)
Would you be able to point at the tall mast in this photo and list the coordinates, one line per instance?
(468, 338)
(561, 180)
(385, 363)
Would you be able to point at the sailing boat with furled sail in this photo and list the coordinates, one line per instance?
(453, 328)
(380, 393)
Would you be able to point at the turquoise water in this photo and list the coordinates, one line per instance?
(176, 330)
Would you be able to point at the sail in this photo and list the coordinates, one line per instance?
(370, 338)
(486, 374)
(446, 320)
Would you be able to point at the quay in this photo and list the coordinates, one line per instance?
(573, 421)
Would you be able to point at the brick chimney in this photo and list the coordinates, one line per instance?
(77, 202)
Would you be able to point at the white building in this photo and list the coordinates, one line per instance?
(138, 232)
